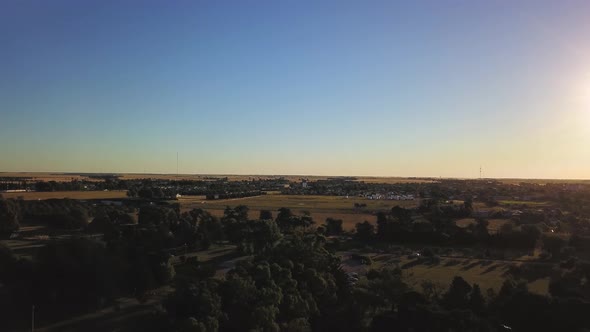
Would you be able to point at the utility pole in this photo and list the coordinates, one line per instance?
(33, 319)
(176, 164)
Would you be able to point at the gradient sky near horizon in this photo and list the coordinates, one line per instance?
(386, 88)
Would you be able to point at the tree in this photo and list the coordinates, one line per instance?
(481, 229)
(402, 214)
(507, 228)
(531, 235)
(284, 215)
(333, 226)
(260, 235)
(156, 215)
(476, 300)
(265, 214)
(80, 217)
(241, 212)
(71, 276)
(288, 222)
(101, 223)
(364, 231)
(10, 216)
(468, 205)
(553, 244)
(457, 297)
(8, 263)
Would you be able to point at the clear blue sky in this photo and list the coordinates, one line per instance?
(416, 88)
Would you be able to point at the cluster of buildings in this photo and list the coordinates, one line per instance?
(391, 196)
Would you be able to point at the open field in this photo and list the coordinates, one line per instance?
(349, 220)
(494, 225)
(484, 272)
(527, 203)
(35, 195)
(320, 207)
(544, 181)
(305, 202)
(58, 177)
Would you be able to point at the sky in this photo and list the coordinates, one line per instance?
(377, 88)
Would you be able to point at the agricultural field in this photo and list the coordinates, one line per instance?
(38, 195)
(544, 181)
(57, 177)
(320, 207)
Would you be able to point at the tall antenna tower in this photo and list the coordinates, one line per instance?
(176, 163)
(480, 177)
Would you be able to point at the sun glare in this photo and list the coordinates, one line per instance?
(582, 100)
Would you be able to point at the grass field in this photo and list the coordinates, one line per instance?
(494, 225)
(486, 273)
(68, 194)
(527, 203)
(320, 207)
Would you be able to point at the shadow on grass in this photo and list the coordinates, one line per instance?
(430, 262)
(220, 250)
(225, 257)
(486, 263)
(490, 269)
(379, 258)
(452, 262)
(413, 263)
(470, 266)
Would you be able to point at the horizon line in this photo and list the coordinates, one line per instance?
(302, 175)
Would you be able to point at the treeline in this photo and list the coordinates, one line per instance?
(295, 284)
(292, 280)
(77, 185)
(75, 276)
(435, 225)
(57, 214)
(149, 192)
(214, 196)
(68, 277)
